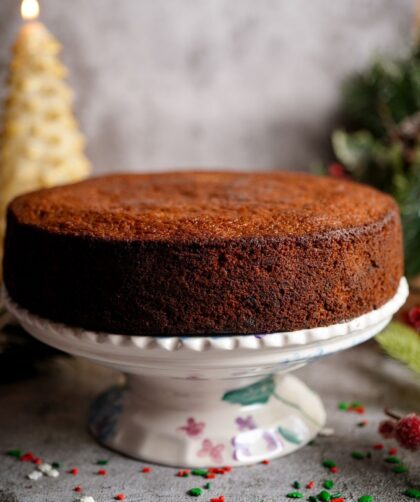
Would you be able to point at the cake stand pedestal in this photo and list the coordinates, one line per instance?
(208, 401)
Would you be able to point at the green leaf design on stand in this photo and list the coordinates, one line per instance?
(402, 342)
(289, 435)
(259, 392)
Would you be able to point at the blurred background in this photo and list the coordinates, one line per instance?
(194, 83)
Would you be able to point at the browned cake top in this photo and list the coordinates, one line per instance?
(202, 205)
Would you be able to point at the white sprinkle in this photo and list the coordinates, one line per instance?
(45, 468)
(35, 475)
(87, 499)
(53, 473)
(327, 431)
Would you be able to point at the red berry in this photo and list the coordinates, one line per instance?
(387, 429)
(407, 432)
(336, 170)
(414, 317)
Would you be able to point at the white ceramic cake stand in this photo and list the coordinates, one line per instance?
(208, 401)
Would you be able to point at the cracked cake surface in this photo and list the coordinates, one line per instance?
(203, 252)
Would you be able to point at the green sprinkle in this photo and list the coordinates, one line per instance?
(312, 498)
(357, 455)
(199, 472)
(207, 486)
(329, 463)
(296, 484)
(102, 462)
(56, 465)
(312, 443)
(324, 496)
(400, 468)
(412, 493)
(343, 406)
(15, 453)
(195, 492)
(336, 496)
(366, 498)
(356, 404)
(328, 484)
(295, 495)
(392, 460)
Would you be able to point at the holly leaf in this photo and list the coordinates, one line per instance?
(259, 392)
(289, 435)
(401, 342)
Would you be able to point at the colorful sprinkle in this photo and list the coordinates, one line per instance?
(102, 462)
(265, 462)
(329, 463)
(146, 470)
(195, 492)
(207, 486)
(119, 496)
(218, 499)
(312, 498)
(400, 469)
(328, 484)
(296, 484)
(378, 446)
(310, 485)
(343, 406)
(210, 475)
(295, 495)
(45, 468)
(74, 471)
(15, 453)
(78, 489)
(365, 498)
(413, 493)
(183, 473)
(56, 465)
(53, 473)
(334, 470)
(363, 423)
(393, 451)
(324, 496)
(199, 472)
(337, 499)
(392, 460)
(27, 457)
(357, 455)
(35, 475)
(102, 472)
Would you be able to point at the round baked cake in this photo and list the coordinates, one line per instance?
(194, 253)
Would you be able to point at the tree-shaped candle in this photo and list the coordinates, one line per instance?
(40, 142)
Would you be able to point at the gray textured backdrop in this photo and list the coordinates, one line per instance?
(212, 82)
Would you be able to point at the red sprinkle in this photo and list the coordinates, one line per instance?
(378, 446)
(227, 468)
(102, 472)
(218, 499)
(265, 462)
(37, 461)
(28, 457)
(75, 471)
(393, 451)
(359, 409)
(78, 489)
(146, 469)
(310, 485)
(183, 474)
(120, 496)
(334, 470)
(210, 475)
(340, 499)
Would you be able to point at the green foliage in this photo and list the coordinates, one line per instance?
(402, 342)
(382, 144)
(259, 392)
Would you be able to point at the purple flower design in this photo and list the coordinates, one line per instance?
(246, 424)
(272, 441)
(192, 428)
(240, 448)
(208, 449)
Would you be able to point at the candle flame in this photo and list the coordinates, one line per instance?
(29, 9)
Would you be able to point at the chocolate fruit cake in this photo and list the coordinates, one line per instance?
(203, 252)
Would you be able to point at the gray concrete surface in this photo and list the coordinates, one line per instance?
(212, 82)
(47, 415)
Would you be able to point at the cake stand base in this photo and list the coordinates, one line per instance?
(207, 423)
